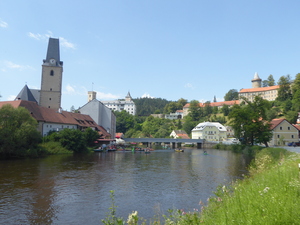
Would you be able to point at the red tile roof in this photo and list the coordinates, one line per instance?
(42, 114)
(275, 123)
(259, 89)
(213, 104)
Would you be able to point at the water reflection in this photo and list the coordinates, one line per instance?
(75, 189)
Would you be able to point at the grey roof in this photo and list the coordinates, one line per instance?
(53, 50)
(25, 94)
(36, 94)
(128, 95)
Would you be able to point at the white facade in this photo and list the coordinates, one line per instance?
(47, 127)
(120, 105)
(210, 131)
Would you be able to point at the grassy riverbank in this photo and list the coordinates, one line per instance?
(270, 195)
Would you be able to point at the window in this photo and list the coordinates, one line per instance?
(50, 89)
(52, 73)
(292, 136)
(289, 128)
(280, 128)
(50, 99)
(278, 136)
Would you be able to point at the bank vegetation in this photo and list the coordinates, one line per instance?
(269, 195)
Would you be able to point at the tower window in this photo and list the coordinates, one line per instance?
(50, 89)
(50, 99)
(52, 73)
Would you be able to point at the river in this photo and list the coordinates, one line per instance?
(75, 189)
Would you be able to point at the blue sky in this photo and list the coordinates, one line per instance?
(160, 48)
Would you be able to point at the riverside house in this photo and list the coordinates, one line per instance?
(283, 132)
(210, 131)
(55, 120)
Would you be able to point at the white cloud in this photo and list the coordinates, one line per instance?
(106, 96)
(63, 42)
(11, 98)
(3, 24)
(66, 44)
(11, 65)
(70, 90)
(189, 85)
(146, 95)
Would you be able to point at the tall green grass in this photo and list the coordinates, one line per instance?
(269, 196)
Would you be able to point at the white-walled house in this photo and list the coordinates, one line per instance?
(55, 120)
(210, 131)
(283, 132)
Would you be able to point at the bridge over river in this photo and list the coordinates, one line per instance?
(171, 141)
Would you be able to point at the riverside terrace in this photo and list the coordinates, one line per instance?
(174, 142)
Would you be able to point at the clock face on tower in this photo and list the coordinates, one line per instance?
(52, 61)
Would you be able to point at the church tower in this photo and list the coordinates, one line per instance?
(52, 68)
(256, 82)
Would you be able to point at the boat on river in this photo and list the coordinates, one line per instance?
(99, 150)
(179, 150)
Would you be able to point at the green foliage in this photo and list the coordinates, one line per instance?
(124, 122)
(284, 91)
(269, 196)
(250, 122)
(148, 106)
(54, 148)
(73, 140)
(111, 218)
(18, 132)
(195, 112)
(232, 94)
(90, 136)
(189, 124)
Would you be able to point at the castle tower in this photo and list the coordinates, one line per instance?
(256, 82)
(91, 95)
(52, 68)
(128, 97)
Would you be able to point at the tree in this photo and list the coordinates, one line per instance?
(215, 100)
(18, 132)
(284, 91)
(271, 81)
(265, 83)
(207, 109)
(90, 136)
(124, 121)
(232, 94)
(225, 110)
(250, 121)
(72, 139)
(296, 84)
(194, 110)
(189, 124)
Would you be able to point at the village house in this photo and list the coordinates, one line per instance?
(210, 131)
(179, 134)
(52, 120)
(283, 132)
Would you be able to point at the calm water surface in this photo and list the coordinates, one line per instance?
(69, 189)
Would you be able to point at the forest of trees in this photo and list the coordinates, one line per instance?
(287, 105)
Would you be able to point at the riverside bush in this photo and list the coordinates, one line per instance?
(53, 148)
